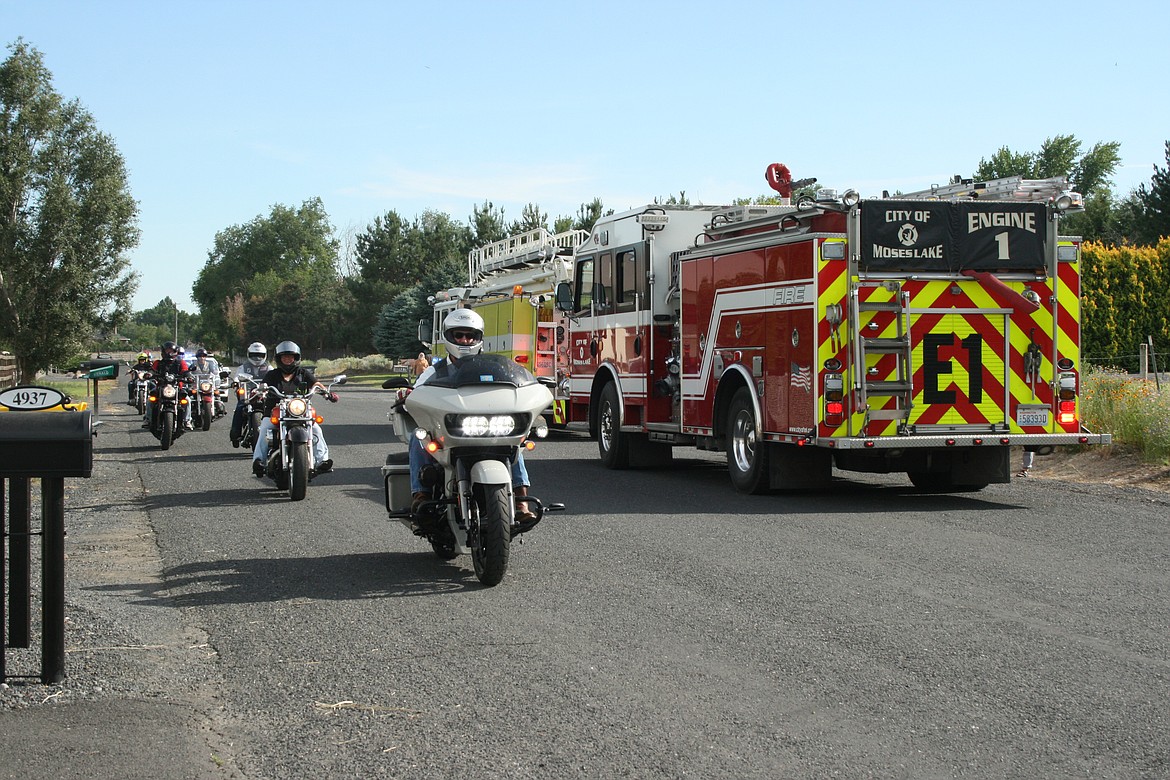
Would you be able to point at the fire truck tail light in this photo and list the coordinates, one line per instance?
(1067, 394)
(1067, 412)
(834, 409)
(521, 358)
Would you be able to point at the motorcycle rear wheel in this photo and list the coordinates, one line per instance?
(166, 429)
(298, 478)
(490, 537)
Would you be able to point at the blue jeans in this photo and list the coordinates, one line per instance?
(320, 448)
(420, 457)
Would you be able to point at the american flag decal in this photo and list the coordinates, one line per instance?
(801, 376)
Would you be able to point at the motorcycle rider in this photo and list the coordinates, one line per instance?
(205, 364)
(143, 364)
(171, 362)
(463, 337)
(255, 367)
(289, 377)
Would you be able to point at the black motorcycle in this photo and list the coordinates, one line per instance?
(251, 392)
(167, 398)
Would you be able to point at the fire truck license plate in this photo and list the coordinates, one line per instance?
(1031, 415)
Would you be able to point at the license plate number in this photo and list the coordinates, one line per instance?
(1032, 416)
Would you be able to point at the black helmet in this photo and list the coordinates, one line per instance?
(288, 348)
(169, 349)
(201, 353)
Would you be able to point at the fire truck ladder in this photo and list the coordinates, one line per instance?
(523, 250)
(1009, 188)
(900, 385)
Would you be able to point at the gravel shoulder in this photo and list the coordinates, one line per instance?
(138, 681)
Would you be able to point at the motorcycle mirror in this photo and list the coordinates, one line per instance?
(340, 379)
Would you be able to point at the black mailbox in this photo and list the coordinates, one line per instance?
(46, 444)
(106, 368)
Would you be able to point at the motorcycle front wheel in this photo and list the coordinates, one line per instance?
(140, 403)
(207, 413)
(298, 479)
(166, 429)
(490, 537)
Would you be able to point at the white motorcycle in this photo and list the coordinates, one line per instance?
(291, 462)
(472, 418)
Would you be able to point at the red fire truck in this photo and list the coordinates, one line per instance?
(926, 333)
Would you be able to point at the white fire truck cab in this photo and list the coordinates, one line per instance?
(925, 333)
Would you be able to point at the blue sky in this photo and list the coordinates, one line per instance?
(223, 109)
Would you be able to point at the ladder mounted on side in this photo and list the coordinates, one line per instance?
(1009, 188)
(525, 249)
(899, 385)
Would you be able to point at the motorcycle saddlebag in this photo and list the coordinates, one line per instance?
(396, 474)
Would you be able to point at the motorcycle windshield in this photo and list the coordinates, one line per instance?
(482, 370)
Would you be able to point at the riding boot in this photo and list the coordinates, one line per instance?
(523, 513)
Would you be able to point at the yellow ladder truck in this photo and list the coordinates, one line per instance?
(510, 284)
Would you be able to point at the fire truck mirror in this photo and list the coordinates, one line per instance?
(564, 298)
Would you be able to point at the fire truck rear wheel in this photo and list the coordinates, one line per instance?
(747, 456)
(612, 445)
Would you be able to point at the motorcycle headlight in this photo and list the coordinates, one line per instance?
(205, 387)
(297, 407)
(169, 391)
(483, 425)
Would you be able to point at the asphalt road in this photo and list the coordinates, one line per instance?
(663, 627)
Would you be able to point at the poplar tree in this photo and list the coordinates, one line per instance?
(67, 220)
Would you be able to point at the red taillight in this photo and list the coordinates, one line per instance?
(834, 409)
(1067, 412)
(521, 358)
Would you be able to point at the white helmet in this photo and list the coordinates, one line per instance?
(257, 353)
(461, 320)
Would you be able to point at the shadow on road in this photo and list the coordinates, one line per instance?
(334, 577)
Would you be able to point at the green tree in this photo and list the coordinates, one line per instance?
(252, 263)
(487, 224)
(587, 216)
(1061, 155)
(67, 220)
(531, 218)
(1152, 217)
(395, 334)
